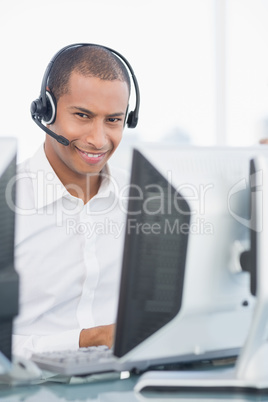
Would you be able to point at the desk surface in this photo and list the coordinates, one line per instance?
(108, 389)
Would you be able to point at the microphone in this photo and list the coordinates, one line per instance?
(62, 140)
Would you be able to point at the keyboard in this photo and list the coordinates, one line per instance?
(91, 360)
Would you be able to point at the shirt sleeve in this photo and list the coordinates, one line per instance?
(23, 345)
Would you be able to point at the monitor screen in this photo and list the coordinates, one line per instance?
(209, 192)
(8, 275)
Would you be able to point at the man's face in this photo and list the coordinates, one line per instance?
(91, 116)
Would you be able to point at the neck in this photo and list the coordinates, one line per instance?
(84, 186)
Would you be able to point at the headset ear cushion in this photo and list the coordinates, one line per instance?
(50, 114)
(129, 119)
(132, 120)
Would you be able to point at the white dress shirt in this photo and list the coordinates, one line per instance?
(68, 256)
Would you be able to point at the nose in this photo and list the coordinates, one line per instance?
(96, 135)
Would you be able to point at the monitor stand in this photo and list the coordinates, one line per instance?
(250, 372)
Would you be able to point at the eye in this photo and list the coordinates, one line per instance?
(82, 115)
(113, 119)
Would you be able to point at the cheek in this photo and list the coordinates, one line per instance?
(63, 127)
(116, 140)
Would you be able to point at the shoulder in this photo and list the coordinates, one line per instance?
(26, 176)
(33, 163)
(26, 172)
(23, 174)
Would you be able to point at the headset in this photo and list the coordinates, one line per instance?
(44, 108)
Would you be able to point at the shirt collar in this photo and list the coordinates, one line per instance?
(47, 186)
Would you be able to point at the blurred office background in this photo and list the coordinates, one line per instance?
(202, 65)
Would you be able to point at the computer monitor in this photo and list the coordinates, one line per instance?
(8, 275)
(215, 302)
(154, 257)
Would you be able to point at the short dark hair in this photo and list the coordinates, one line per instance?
(89, 61)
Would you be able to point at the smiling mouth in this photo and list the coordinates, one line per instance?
(91, 156)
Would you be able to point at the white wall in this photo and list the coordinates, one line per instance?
(247, 71)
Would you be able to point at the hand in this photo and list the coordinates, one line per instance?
(103, 335)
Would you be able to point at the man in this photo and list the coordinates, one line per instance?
(70, 219)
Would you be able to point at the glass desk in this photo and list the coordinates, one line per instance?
(109, 388)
